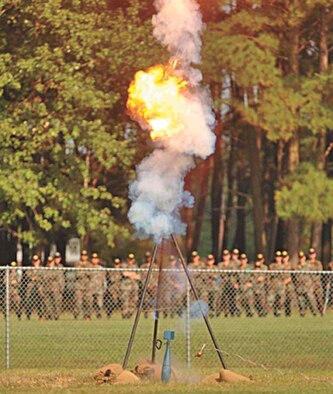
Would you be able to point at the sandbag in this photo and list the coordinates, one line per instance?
(108, 374)
(127, 377)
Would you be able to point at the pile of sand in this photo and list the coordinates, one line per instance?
(115, 374)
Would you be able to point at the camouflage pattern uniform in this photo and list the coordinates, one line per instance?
(316, 265)
(83, 294)
(50, 285)
(290, 294)
(97, 285)
(174, 287)
(230, 286)
(304, 287)
(113, 290)
(129, 288)
(259, 283)
(245, 295)
(210, 286)
(277, 287)
(60, 279)
(151, 293)
(14, 290)
(197, 277)
(34, 295)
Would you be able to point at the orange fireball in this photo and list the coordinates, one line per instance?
(153, 98)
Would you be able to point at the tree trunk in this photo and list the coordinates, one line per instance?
(217, 217)
(201, 203)
(230, 199)
(327, 243)
(242, 188)
(292, 234)
(317, 226)
(253, 142)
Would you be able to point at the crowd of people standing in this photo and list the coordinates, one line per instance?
(228, 288)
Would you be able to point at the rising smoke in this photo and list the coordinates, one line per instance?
(158, 193)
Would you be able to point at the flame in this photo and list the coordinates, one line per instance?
(153, 98)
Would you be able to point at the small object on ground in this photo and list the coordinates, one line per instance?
(201, 351)
(226, 376)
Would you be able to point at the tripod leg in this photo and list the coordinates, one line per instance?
(216, 346)
(157, 308)
(136, 321)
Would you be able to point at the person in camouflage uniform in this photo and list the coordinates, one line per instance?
(97, 285)
(83, 294)
(194, 264)
(15, 290)
(277, 286)
(245, 295)
(259, 283)
(129, 288)
(177, 286)
(60, 279)
(290, 295)
(210, 287)
(50, 285)
(316, 265)
(230, 286)
(304, 287)
(151, 293)
(34, 295)
(113, 289)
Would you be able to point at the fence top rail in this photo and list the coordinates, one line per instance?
(181, 270)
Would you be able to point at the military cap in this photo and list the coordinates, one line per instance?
(194, 253)
(84, 253)
(94, 255)
(131, 256)
(172, 257)
(49, 259)
(278, 253)
(312, 250)
(210, 257)
(301, 254)
(257, 265)
(57, 255)
(235, 251)
(243, 256)
(260, 256)
(147, 254)
(13, 264)
(225, 252)
(285, 253)
(117, 261)
(35, 257)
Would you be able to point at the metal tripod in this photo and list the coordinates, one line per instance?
(144, 291)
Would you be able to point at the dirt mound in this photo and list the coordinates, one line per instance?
(114, 374)
(225, 376)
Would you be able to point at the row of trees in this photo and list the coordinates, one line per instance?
(68, 149)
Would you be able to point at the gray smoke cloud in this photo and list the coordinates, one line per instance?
(158, 193)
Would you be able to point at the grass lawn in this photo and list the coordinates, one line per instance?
(282, 354)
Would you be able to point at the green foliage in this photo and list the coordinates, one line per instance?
(65, 158)
(306, 194)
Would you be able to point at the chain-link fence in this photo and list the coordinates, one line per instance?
(73, 318)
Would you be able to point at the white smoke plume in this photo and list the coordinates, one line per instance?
(178, 26)
(158, 193)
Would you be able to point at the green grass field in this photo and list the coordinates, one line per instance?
(282, 354)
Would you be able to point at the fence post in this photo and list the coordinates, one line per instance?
(188, 326)
(7, 319)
